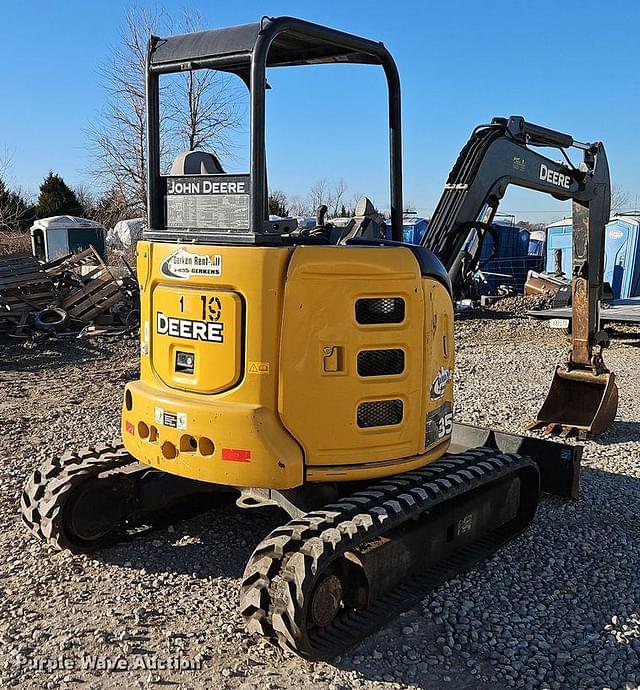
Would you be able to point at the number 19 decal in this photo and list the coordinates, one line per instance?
(211, 308)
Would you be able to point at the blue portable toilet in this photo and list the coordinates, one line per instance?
(622, 252)
(622, 256)
(560, 236)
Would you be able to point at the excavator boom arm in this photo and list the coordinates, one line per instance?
(501, 154)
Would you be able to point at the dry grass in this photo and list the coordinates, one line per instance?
(12, 242)
(118, 257)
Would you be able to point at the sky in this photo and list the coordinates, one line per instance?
(571, 65)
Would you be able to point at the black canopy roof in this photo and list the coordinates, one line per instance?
(247, 51)
(288, 41)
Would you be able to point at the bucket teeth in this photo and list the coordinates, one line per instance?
(578, 403)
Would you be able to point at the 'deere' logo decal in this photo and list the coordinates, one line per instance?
(440, 382)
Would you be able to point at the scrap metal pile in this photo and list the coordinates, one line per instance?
(72, 296)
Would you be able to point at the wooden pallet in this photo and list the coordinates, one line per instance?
(100, 288)
(89, 257)
(24, 287)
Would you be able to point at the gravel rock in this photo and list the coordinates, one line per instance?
(557, 608)
(520, 304)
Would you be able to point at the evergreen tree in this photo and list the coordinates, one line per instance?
(56, 198)
(278, 204)
(15, 212)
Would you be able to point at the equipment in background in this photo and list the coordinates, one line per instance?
(547, 284)
(505, 261)
(52, 238)
(621, 248)
(583, 397)
(312, 368)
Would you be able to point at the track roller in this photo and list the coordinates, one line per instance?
(88, 499)
(320, 584)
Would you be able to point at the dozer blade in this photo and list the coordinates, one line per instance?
(578, 402)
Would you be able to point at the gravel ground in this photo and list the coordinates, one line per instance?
(557, 608)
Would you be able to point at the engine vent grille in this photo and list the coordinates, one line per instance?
(380, 413)
(380, 362)
(380, 310)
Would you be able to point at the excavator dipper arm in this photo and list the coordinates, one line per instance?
(501, 154)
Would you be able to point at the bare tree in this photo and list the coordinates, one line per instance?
(319, 194)
(110, 208)
(16, 206)
(278, 204)
(6, 158)
(199, 110)
(298, 207)
(337, 196)
(86, 198)
(118, 137)
(322, 192)
(15, 212)
(620, 199)
(204, 110)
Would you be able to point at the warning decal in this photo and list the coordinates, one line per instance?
(258, 367)
(174, 420)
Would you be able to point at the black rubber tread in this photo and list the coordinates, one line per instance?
(283, 570)
(49, 486)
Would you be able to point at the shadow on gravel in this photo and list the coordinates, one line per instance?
(579, 562)
(620, 432)
(217, 543)
(582, 563)
(54, 354)
(624, 335)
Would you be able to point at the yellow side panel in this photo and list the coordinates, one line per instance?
(320, 389)
(439, 366)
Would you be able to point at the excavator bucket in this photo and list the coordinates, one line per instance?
(579, 402)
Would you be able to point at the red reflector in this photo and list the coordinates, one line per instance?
(129, 427)
(236, 455)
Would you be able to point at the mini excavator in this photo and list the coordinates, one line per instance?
(313, 369)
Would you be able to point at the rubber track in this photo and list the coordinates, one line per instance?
(48, 487)
(283, 569)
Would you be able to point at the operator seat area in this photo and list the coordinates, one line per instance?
(196, 163)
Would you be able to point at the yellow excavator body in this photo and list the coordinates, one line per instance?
(312, 367)
(269, 367)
